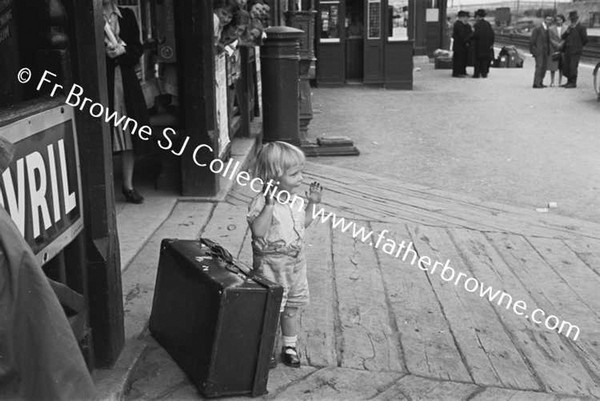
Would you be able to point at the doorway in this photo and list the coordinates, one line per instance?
(354, 25)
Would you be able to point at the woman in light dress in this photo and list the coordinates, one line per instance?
(555, 32)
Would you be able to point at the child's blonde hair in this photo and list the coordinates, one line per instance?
(275, 158)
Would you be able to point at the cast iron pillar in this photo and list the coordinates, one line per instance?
(305, 20)
(279, 59)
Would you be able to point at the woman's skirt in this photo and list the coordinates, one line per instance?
(121, 138)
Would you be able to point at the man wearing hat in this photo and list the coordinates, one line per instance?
(575, 37)
(539, 46)
(483, 44)
(39, 355)
(461, 34)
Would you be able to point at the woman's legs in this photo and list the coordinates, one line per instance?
(552, 78)
(127, 159)
(560, 75)
(131, 195)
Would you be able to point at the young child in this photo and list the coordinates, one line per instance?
(277, 219)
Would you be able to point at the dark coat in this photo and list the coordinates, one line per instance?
(39, 355)
(134, 98)
(575, 38)
(461, 33)
(483, 39)
(539, 44)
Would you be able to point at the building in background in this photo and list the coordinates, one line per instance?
(374, 41)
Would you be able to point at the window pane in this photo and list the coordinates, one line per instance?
(398, 27)
(374, 19)
(330, 20)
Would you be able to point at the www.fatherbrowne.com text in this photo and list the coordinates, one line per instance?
(76, 99)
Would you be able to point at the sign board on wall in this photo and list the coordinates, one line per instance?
(432, 15)
(41, 189)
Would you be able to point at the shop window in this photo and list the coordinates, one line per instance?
(398, 20)
(330, 21)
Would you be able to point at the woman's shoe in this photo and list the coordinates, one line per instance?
(289, 356)
(272, 362)
(133, 196)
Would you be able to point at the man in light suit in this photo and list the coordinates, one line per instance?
(575, 38)
(539, 46)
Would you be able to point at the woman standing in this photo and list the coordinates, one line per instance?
(123, 51)
(556, 45)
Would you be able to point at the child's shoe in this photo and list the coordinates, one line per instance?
(289, 356)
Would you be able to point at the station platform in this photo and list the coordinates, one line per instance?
(377, 327)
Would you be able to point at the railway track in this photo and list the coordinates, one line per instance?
(591, 51)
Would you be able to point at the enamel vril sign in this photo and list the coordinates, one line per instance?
(41, 189)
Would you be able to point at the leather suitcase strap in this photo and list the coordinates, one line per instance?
(219, 252)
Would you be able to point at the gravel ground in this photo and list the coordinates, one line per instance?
(497, 138)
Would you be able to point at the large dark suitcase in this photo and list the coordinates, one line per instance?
(443, 63)
(509, 57)
(215, 318)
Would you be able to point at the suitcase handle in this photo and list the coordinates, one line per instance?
(223, 254)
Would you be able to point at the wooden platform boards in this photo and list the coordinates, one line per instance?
(422, 334)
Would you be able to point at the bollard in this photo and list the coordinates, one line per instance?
(279, 59)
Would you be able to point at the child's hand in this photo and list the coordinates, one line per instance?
(269, 194)
(314, 192)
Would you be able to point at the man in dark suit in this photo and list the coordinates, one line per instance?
(575, 38)
(483, 44)
(461, 33)
(539, 46)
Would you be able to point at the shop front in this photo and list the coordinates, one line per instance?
(364, 41)
(374, 41)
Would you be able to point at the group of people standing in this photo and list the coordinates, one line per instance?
(476, 42)
(557, 47)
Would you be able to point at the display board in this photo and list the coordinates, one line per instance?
(398, 27)
(41, 189)
(330, 21)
